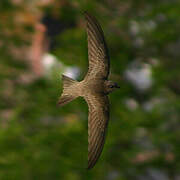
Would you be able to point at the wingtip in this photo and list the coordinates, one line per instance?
(91, 164)
(87, 14)
(89, 167)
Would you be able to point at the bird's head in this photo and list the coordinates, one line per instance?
(110, 86)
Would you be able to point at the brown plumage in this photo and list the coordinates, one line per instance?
(94, 89)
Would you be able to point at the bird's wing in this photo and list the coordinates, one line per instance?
(99, 62)
(97, 124)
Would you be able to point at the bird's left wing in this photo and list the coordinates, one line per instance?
(97, 50)
(97, 125)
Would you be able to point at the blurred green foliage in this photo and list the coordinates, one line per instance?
(39, 140)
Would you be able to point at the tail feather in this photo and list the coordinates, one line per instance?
(67, 82)
(65, 99)
(67, 95)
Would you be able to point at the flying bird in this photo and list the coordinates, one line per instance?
(94, 88)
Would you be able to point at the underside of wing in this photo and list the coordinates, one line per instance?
(97, 49)
(97, 126)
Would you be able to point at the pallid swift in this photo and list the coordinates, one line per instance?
(94, 88)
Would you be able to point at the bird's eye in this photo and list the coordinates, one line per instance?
(111, 86)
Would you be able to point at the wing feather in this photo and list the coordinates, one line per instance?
(97, 124)
(97, 49)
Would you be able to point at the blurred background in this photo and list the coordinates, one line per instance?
(40, 40)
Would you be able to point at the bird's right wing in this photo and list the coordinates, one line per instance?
(97, 125)
(97, 49)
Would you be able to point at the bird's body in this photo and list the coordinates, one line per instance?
(94, 88)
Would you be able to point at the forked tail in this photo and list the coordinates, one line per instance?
(68, 94)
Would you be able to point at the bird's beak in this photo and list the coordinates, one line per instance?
(117, 86)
